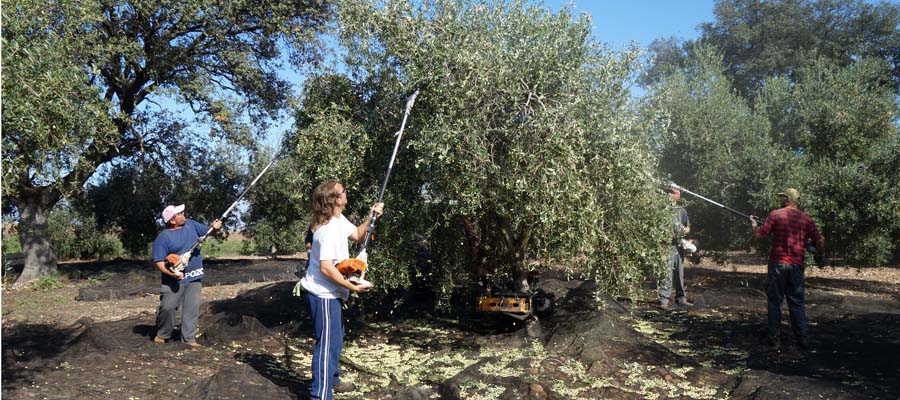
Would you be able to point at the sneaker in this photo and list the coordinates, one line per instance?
(194, 345)
(159, 340)
(664, 304)
(681, 301)
(803, 342)
(773, 341)
(344, 387)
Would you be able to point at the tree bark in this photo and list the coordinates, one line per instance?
(473, 262)
(519, 274)
(34, 212)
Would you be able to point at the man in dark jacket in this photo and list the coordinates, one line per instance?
(681, 225)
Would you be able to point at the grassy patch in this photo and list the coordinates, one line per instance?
(47, 282)
(33, 302)
(228, 248)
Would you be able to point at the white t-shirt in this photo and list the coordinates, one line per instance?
(329, 243)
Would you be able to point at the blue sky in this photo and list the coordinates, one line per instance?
(618, 22)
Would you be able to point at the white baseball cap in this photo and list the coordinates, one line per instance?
(170, 212)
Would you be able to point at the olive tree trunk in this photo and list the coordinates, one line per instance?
(34, 212)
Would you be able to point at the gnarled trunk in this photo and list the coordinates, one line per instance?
(516, 242)
(34, 212)
(520, 274)
(473, 262)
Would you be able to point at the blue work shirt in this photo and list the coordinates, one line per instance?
(178, 241)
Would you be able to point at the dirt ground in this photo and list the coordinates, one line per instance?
(257, 342)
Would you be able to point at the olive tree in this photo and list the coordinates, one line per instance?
(763, 39)
(78, 78)
(843, 123)
(520, 152)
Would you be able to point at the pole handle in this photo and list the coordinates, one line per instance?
(681, 188)
(369, 231)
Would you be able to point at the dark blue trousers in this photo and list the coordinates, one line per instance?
(675, 276)
(326, 316)
(785, 281)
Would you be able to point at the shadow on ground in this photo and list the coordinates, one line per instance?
(854, 339)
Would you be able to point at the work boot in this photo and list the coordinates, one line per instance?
(159, 340)
(682, 301)
(344, 387)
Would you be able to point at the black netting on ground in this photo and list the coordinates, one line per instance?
(273, 305)
(118, 359)
(122, 286)
(229, 272)
(236, 382)
(144, 279)
(104, 338)
(764, 385)
(516, 386)
(223, 328)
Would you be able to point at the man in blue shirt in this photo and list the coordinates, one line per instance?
(179, 287)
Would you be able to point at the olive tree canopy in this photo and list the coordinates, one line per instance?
(521, 151)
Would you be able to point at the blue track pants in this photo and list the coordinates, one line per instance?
(326, 316)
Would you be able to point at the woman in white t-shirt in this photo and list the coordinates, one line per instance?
(325, 287)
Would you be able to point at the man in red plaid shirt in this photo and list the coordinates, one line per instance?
(791, 229)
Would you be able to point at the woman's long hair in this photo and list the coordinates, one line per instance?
(324, 197)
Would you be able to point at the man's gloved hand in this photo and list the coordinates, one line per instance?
(820, 259)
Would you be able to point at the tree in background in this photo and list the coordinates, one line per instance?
(786, 93)
(520, 144)
(78, 77)
(278, 212)
(843, 121)
(127, 198)
(74, 234)
(130, 196)
(763, 39)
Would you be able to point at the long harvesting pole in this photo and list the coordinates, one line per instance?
(681, 188)
(409, 104)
